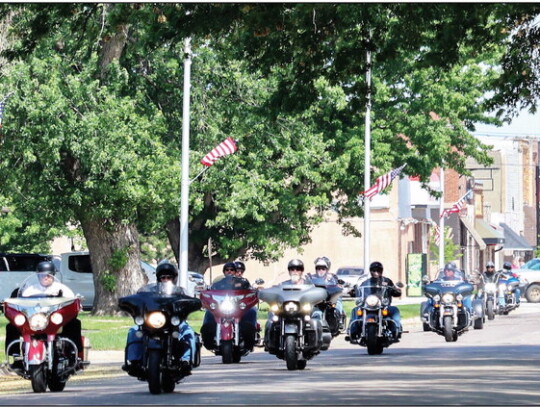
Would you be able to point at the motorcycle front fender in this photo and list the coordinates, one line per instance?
(226, 332)
(36, 352)
(154, 344)
(291, 329)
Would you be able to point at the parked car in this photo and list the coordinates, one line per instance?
(352, 276)
(196, 283)
(529, 276)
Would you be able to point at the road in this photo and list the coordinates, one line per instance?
(498, 365)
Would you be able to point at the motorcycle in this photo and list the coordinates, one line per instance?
(336, 319)
(373, 328)
(488, 295)
(506, 288)
(445, 312)
(43, 356)
(227, 307)
(158, 316)
(291, 332)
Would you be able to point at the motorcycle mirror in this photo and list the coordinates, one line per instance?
(400, 284)
(340, 281)
(425, 279)
(259, 281)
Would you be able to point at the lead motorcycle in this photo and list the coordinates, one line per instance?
(42, 355)
(158, 316)
(291, 333)
(374, 328)
(444, 313)
(227, 307)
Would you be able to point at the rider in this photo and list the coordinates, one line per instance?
(296, 271)
(506, 274)
(378, 280)
(240, 270)
(324, 277)
(47, 285)
(248, 323)
(166, 276)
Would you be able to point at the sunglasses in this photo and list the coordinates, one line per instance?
(490, 267)
(296, 268)
(320, 268)
(165, 278)
(229, 270)
(376, 270)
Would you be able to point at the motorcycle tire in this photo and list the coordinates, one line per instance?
(373, 343)
(479, 323)
(426, 327)
(291, 356)
(226, 348)
(154, 371)
(490, 311)
(167, 383)
(236, 355)
(55, 384)
(448, 329)
(38, 376)
(302, 364)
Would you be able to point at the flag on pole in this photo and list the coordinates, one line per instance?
(437, 230)
(458, 205)
(382, 182)
(226, 147)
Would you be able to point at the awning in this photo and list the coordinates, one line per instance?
(488, 232)
(513, 241)
(474, 233)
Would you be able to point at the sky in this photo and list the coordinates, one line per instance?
(525, 125)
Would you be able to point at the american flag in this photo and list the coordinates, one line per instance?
(437, 232)
(226, 147)
(458, 205)
(382, 182)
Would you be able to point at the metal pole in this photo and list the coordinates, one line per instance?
(367, 161)
(441, 222)
(184, 199)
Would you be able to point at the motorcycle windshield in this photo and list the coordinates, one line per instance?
(41, 285)
(148, 300)
(378, 290)
(303, 293)
(452, 286)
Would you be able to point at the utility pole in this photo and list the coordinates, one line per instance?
(367, 161)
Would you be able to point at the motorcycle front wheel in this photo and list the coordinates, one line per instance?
(38, 375)
(167, 383)
(447, 329)
(154, 371)
(490, 310)
(226, 352)
(290, 352)
(374, 346)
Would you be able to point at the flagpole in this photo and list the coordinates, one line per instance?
(367, 161)
(184, 198)
(441, 222)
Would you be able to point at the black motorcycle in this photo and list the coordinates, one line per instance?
(374, 328)
(488, 295)
(445, 313)
(291, 333)
(335, 318)
(158, 317)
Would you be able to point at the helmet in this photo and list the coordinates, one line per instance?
(229, 265)
(296, 264)
(322, 262)
(507, 265)
(490, 264)
(376, 266)
(166, 269)
(240, 266)
(46, 267)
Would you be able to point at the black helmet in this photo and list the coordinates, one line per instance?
(295, 264)
(240, 266)
(507, 265)
(166, 269)
(46, 267)
(229, 265)
(376, 266)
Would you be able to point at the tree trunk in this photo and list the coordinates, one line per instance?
(114, 254)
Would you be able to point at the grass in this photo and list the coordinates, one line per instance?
(109, 333)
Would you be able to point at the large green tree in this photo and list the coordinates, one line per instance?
(94, 124)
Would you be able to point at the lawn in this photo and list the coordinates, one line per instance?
(109, 333)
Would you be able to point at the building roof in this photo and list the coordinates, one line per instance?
(514, 241)
(489, 234)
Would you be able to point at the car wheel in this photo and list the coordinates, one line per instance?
(532, 294)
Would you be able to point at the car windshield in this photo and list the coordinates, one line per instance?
(350, 272)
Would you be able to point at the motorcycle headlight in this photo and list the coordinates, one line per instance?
(372, 300)
(156, 319)
(436, 298)
(175, 321)
(306, 307)
(57, 318)
(274, 308)
(227, 306)
(38, 322)
(19, 320)
(290, 307)
(448, 297)
(491, 287)
(459, 297)
(139, 320)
